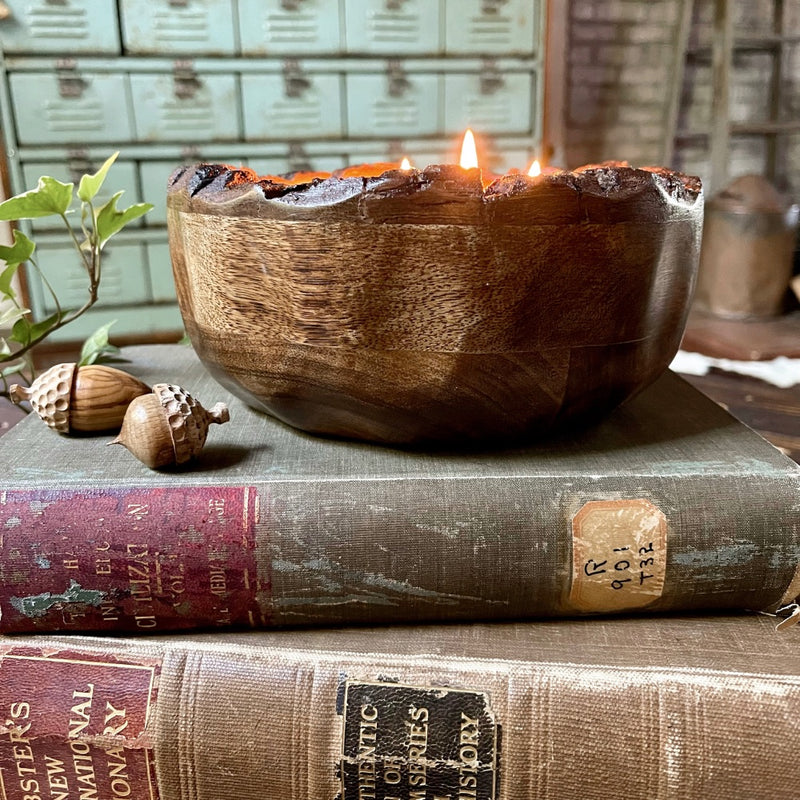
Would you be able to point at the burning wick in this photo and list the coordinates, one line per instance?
(405, 165)
(469, 155)
(535, 169)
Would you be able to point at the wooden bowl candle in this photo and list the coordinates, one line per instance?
(417, 306)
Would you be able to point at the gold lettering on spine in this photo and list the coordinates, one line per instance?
(83, 765)
(468, 758)
(139, 584)
(367, 738)
(81, 711)
(417, 748)
(21, 749)
(56, 778)
(119, 779)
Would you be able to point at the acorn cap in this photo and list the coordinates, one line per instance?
(50, 395)
(187, 419)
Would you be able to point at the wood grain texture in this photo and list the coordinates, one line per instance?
(420, 306)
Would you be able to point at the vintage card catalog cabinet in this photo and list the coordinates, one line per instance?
(278, 85)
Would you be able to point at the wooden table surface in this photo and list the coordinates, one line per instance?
(772, 411)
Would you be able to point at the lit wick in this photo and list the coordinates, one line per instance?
(469, 154)
(405, 164)
(535, 169)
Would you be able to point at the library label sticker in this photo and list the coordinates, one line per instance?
(402, 742)
(619, 555)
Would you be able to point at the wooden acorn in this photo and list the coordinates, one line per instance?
(167, 427)
(86, 399)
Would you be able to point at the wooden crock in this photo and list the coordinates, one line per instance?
(417, 307)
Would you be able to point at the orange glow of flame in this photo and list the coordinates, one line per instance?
(405, 165)
(535, 169)
(469, 155)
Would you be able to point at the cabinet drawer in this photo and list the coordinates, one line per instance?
(394, 104)
(292, 105)
(125, 280)
(489, 102)
(391, 27)
(165, 26)
(159, 268)
(153, 176)
(60, 26)
(135, 322)
(501, 161)
(289, 27)
(391, 154)
(492, 27)
(68, 107)
(122, 175)
(186, 107)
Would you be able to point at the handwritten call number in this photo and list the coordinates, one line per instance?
(592, 567)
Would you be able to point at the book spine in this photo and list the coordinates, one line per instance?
(283, 553)
(289, 725)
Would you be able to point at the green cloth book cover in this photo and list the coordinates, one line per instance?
(669, 503)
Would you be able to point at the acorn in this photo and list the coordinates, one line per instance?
(87, 399)
(167, 427)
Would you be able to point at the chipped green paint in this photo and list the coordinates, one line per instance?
(37, 605)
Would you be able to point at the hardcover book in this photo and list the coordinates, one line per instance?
(647, 708)
(669, 503)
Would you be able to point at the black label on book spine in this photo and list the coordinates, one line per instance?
(412, 743)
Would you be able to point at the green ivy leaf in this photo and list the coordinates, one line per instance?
(11, 315)
(25, 331)
(14, 369)
(5, 349)
(90, 185)
(6, 278)
(97, 346)
(49, 197)
(110, 220)
(19, 252)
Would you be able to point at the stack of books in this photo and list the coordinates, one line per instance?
(296, 618)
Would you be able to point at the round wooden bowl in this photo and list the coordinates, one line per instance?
(420, 306)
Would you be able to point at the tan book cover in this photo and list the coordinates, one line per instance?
(648, 708)
(669, 503)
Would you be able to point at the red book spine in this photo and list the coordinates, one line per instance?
(75, 725)
(145, 560)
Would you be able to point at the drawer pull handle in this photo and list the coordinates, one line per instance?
(295, 81)
(70, 83)
(298, 158)
(491, 79)
(398, 82)
(186, 84)
(492, 6)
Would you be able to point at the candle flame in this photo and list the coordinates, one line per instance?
(469, 155)
(405, 164)
(535, 169)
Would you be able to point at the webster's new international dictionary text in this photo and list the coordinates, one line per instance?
(646, 708)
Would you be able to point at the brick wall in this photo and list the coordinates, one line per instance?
(620, 72)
